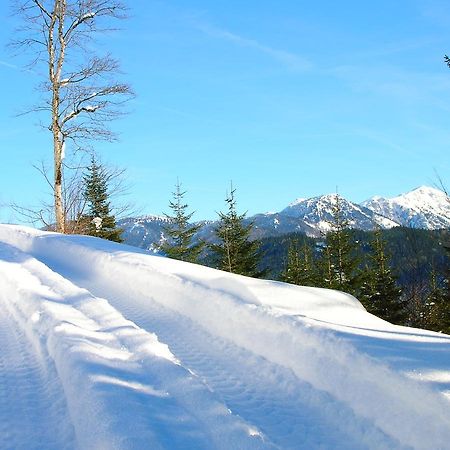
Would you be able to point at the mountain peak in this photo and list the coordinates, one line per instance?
(424, 188)
(423, 207)
(424, 191)
(324, 197)
(296, 201)
(332, 196)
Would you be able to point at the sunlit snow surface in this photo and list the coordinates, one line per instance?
(106, 347)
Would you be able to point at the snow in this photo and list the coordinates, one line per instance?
(97, 221)
(91, 108)
(297, 201)
(107, 346)
(317, 213)
(385, 222)
(88, 15)
(152, 217)
(423, 207)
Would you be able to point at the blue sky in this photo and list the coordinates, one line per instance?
(286, 98)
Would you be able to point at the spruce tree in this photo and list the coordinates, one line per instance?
(379, 293)
(99, 221)
(441, 312)
(301, 268)
(179, 244)
(437, 305)
(339, 261)
(235, 252)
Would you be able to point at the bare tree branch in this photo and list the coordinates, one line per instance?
(74, 200)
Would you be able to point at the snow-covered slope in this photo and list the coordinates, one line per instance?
(104, 346)
(424, 207)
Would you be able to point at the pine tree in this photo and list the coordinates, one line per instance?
(99, 221)
(379, 293)
(179, 244)
(441, 311)
(339, 261)
(235, 252)
(301, 269)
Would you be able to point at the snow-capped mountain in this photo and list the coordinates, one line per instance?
(317, 213)
(423, 207)
(269, 224)
(144, 232)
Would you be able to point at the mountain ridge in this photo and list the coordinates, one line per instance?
(423, 207)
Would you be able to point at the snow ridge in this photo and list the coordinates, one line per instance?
(111, 318)
(118, 379)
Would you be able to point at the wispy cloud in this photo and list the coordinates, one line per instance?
(16, 67)
(289, 59)
(10, 66)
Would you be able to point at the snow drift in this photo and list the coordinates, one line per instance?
(111, 347)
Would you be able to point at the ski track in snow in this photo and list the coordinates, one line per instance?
(124, 389)
(290, 412)
(37, 415)
(219, 384)
(36, 406)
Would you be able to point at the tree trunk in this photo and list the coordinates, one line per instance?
(57, 189)
(56, 60)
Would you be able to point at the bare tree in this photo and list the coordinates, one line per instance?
(74, 201)
(81, 95)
